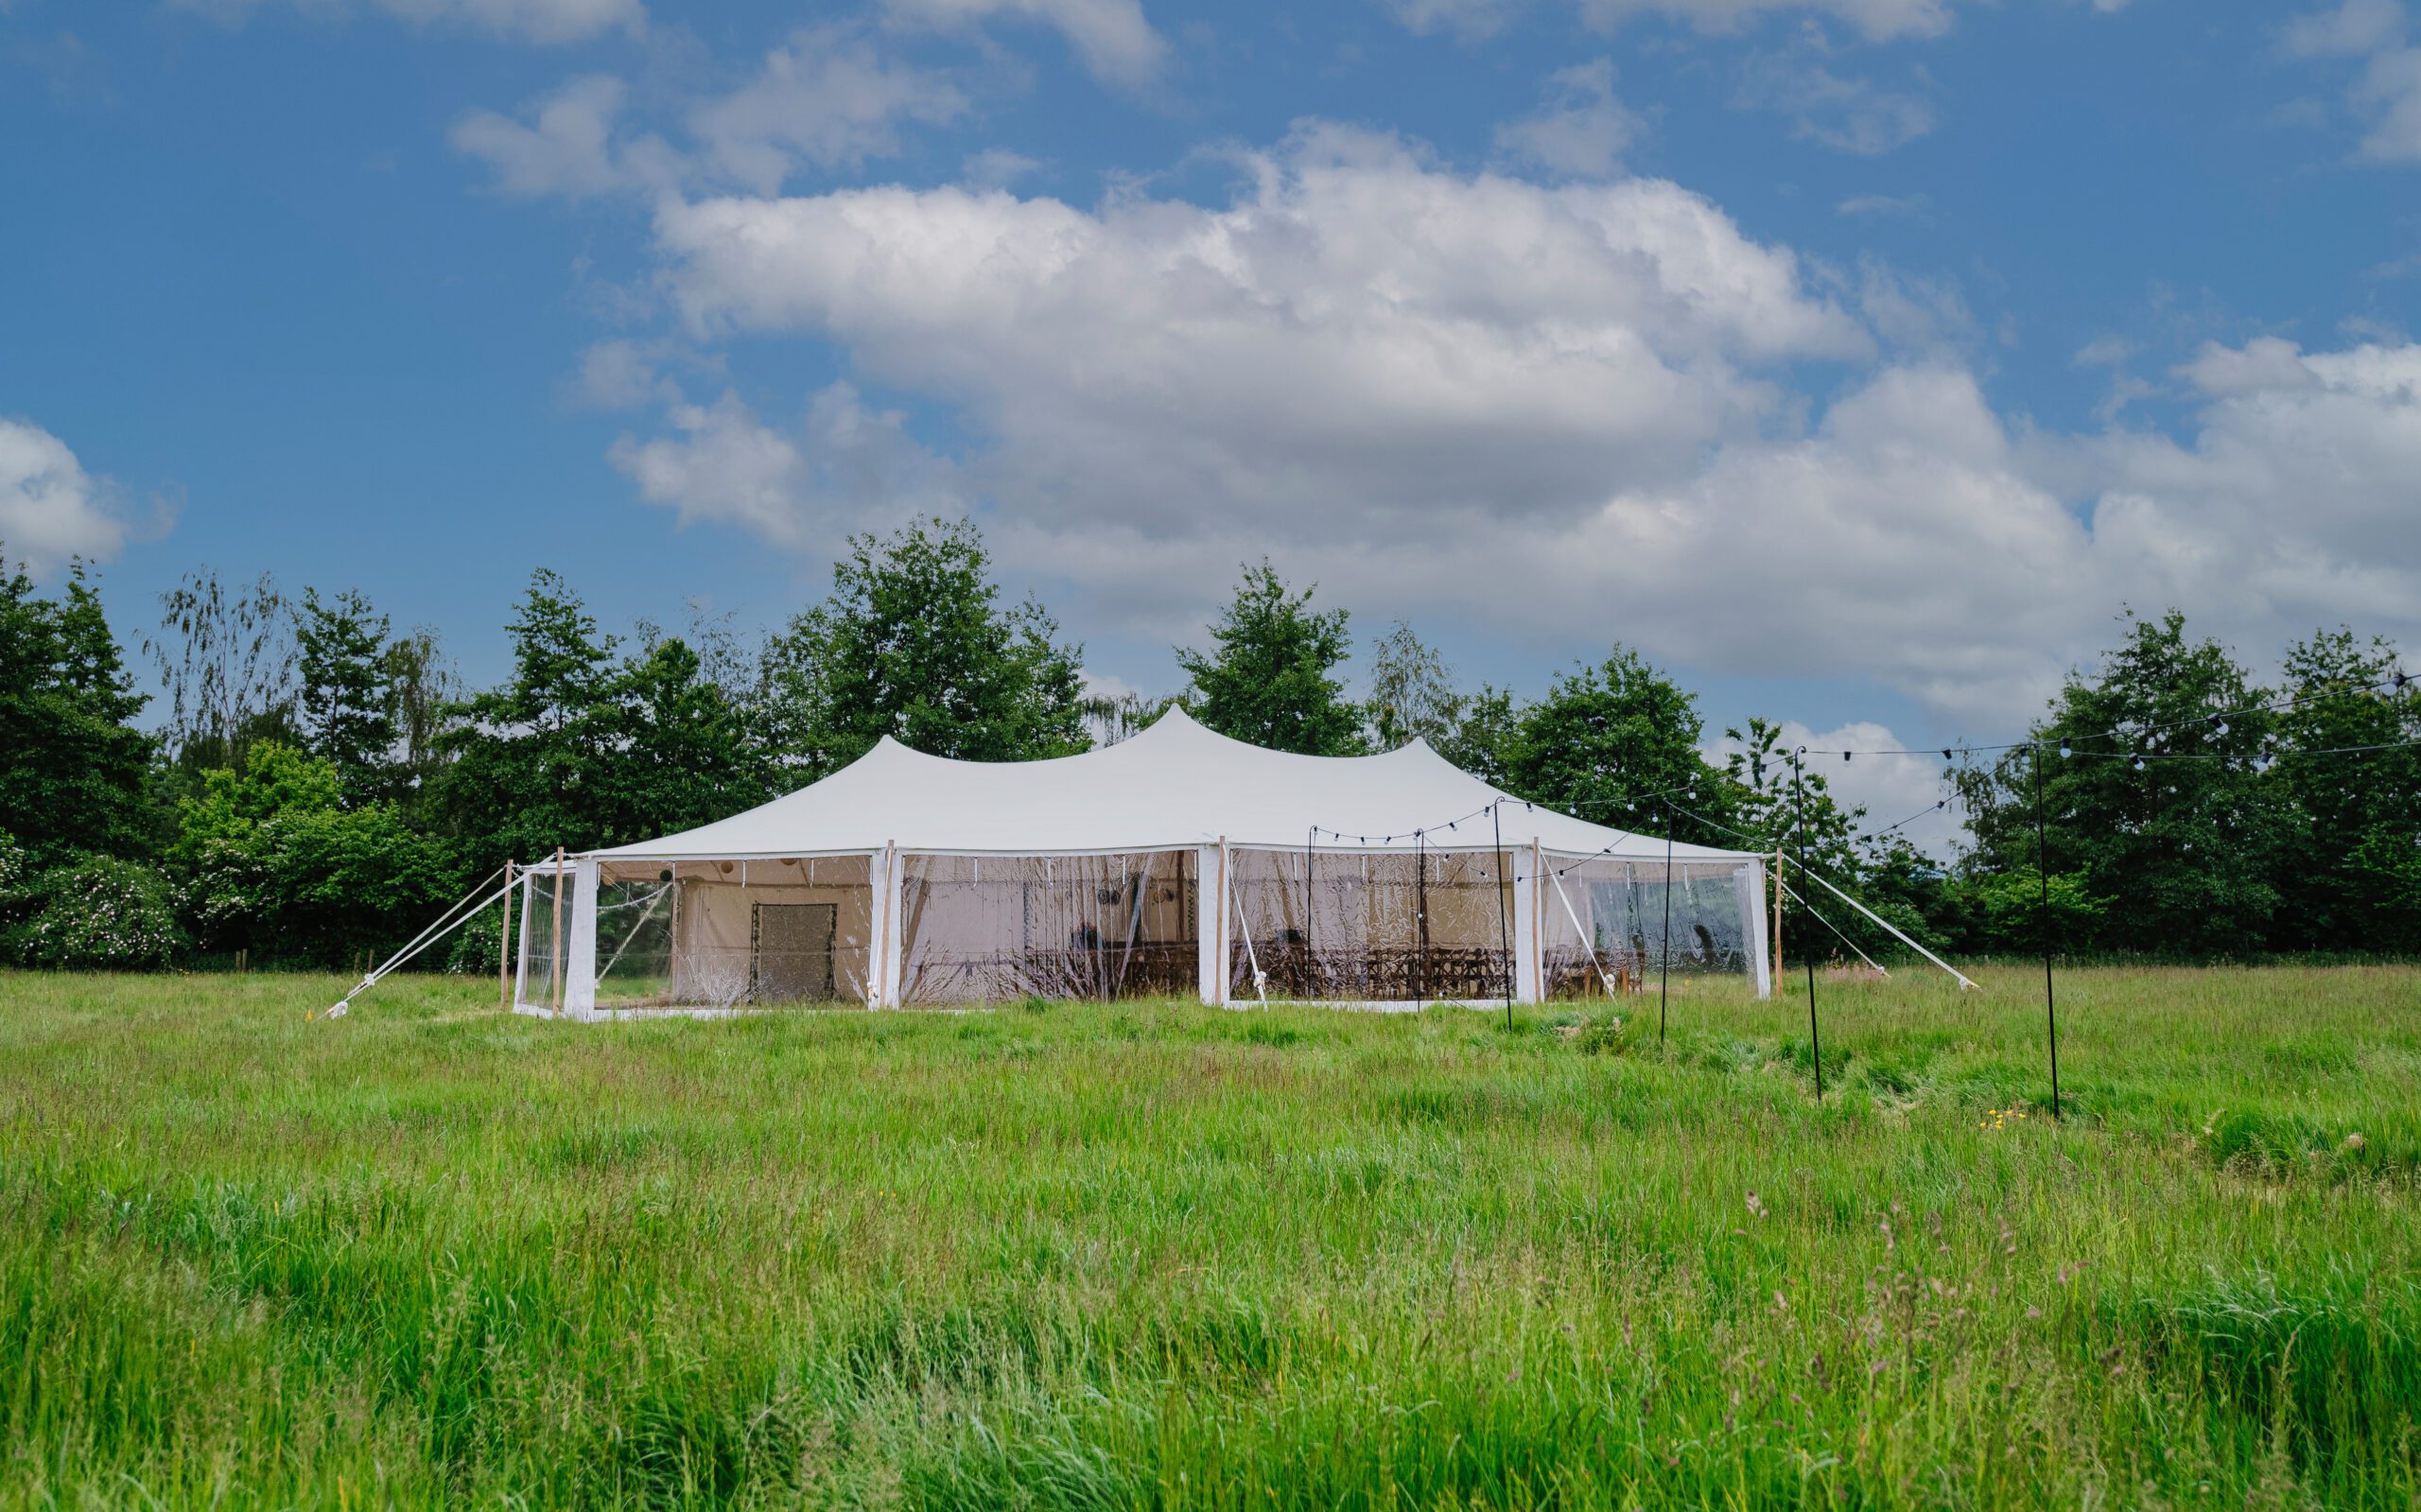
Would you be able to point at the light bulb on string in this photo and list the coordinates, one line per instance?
(1945, 753)
(2065, 751)
(2139, 763)
(2222, 727)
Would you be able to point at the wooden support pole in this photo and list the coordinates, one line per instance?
(1777, 918)
(504, 947)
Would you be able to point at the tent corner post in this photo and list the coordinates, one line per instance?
(504, 946)
(889, 954)
(555, 945)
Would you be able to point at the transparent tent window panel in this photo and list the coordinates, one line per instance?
(1602, 924)
(544, 930)
(764, 933)
(1370, 928)
(987, 928)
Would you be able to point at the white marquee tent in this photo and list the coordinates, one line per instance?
(1177, 861)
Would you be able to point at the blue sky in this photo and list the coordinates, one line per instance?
(1856, 359)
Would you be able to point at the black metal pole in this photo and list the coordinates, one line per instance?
(2043, 874)
(1815, 1041)
(1664, 972)
(1504, 925)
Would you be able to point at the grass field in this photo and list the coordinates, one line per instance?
(1154, 1255)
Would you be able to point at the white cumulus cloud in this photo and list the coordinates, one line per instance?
(1560, 413)
(563, 143)
(844, 466)
(827, 97)
(537, 21)
(1876, 20)
(1113, 37)
(52, 510)
(1580, 129)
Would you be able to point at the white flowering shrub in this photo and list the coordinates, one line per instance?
(16, 876)
(97, 914)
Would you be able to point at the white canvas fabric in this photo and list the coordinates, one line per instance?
(1176, 786)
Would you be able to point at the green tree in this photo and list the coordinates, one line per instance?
(277, 865)
(2351, 878)
(1485, 730)
(425, 693)
(529, 762)
(1611, 742)
(913, 643)
(225, 658)
(1270, 677)
(2010, 908)
(1412, 695)
(72, 766)
(346, 696)
(685, 754)
(2158, 808)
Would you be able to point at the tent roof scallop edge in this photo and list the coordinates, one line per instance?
(1174, 786)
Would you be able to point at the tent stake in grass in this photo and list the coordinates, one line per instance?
(1814, 1043)
(2042, 876)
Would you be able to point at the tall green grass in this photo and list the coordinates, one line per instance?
(1156, 1255)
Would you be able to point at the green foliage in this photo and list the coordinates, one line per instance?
(346, 702)
(915, 644)
(1485, 731)
(1269, 680)
(1608, 743)
(96, 913)
(2012, 909)
(1412, 695)
(225, 658)
(2351, 878)
(2186, 851)
(72, 767)
(276, 866)
(233, 805)
(583, 748)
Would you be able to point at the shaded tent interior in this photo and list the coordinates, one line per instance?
(1178, 862)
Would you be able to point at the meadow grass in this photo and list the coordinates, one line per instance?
(1158, 1255)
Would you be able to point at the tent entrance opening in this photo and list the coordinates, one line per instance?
(791, 951)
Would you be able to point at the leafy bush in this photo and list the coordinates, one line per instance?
(278, 868)
(16, 875)
(2011, 906)
(98, 913)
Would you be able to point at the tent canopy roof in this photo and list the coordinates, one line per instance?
(1174, 786)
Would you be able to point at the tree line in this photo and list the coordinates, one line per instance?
(316, 783)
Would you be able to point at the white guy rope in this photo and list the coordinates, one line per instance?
(636, 925)
(1586, 943)
(1830, 925)
(1963, 980)
(1260, 980)
(420, 942)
